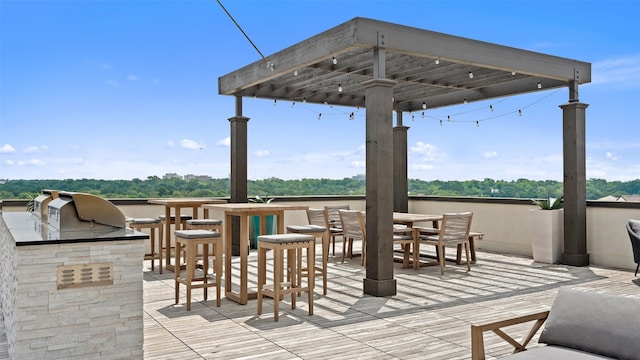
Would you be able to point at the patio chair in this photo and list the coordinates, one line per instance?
(353, 228)
(454, 230)
(633, 228)
(331, 212)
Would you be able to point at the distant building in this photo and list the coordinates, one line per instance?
(171, 176)
(633, 198)
(197, 177)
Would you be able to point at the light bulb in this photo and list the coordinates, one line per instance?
(440, 122)
(448, 117)
(464, 100)
(319, 116)
(423, 114)
(539, 85)
(437, 61)
(424, 105)
(513, 73)
(477, 123)
(334, 60)
(413, 117)
(275, 102)
(295, 72)
(491, 107)
(304, 100)
(352, 116)
(293, 104)
(339, 88)
(520, 112)
(470, 75)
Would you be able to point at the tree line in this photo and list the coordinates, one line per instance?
(155, 187)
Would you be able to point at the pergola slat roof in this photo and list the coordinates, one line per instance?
(411, 55)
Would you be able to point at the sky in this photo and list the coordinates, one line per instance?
(126, 89)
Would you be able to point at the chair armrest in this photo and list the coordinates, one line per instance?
(477, 332)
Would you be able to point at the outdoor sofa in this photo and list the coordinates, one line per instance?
(580, 325)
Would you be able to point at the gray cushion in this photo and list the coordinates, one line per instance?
(285, 238)
(204, 222)
(306, 228)
(552, 353)
(196, 234)
(145, 221)
(603, 324)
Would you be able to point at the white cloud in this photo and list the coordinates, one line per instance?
(132, 77)
(31, 162)
(428, 152)
(106, 66)
(262, 153)
(113, 83)
(36, 149)
(611, 156)
(225, 142)
(9, 162)
(358, 164)
(7, 149)
(624, 69)
(191, 144)
(489, 155)
(423, 167)
(170, 143)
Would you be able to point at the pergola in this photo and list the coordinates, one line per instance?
(385, 67)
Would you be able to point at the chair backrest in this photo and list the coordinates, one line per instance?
(316, 217)
(455, 227)
(333, 215)
(352, 224)
(633, 228)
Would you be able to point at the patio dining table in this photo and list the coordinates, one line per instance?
(244, 211)
(178, 204)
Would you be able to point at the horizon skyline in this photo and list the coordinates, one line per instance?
(128, 89)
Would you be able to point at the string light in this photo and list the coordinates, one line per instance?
(424, 105)
(539, 85)
(464, 100)
(295, 72)
(448, 117)
(339, 87)
(470, 75)
(334, 60)
(440, 122)
(319, 116)
(491, 107)
(513, 73)
(413, 117)
(437, 61)
(423, 114)
(293, 104)
(520, 112)
(304, 100)
(352, 116)
(477, 123)
(275, 102)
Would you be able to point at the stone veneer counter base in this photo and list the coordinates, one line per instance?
(73, 295)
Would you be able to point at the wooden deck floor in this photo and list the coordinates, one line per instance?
(429, 318)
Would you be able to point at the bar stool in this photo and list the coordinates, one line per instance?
(317, 232)
(191, 239)
(152, 224)
(166, 248)
(279, 243)
(204, 224)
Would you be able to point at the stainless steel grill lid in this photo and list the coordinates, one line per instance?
(81, 211)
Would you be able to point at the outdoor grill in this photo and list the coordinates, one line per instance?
(41, 203)
(82, 214)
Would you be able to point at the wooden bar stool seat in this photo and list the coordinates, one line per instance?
(204, 224)
(279, 243)
(190, 239)
(152, 224)
(317, 232)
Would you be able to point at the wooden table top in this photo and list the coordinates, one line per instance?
(186, 201)
(411, 218)
(254, 207)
